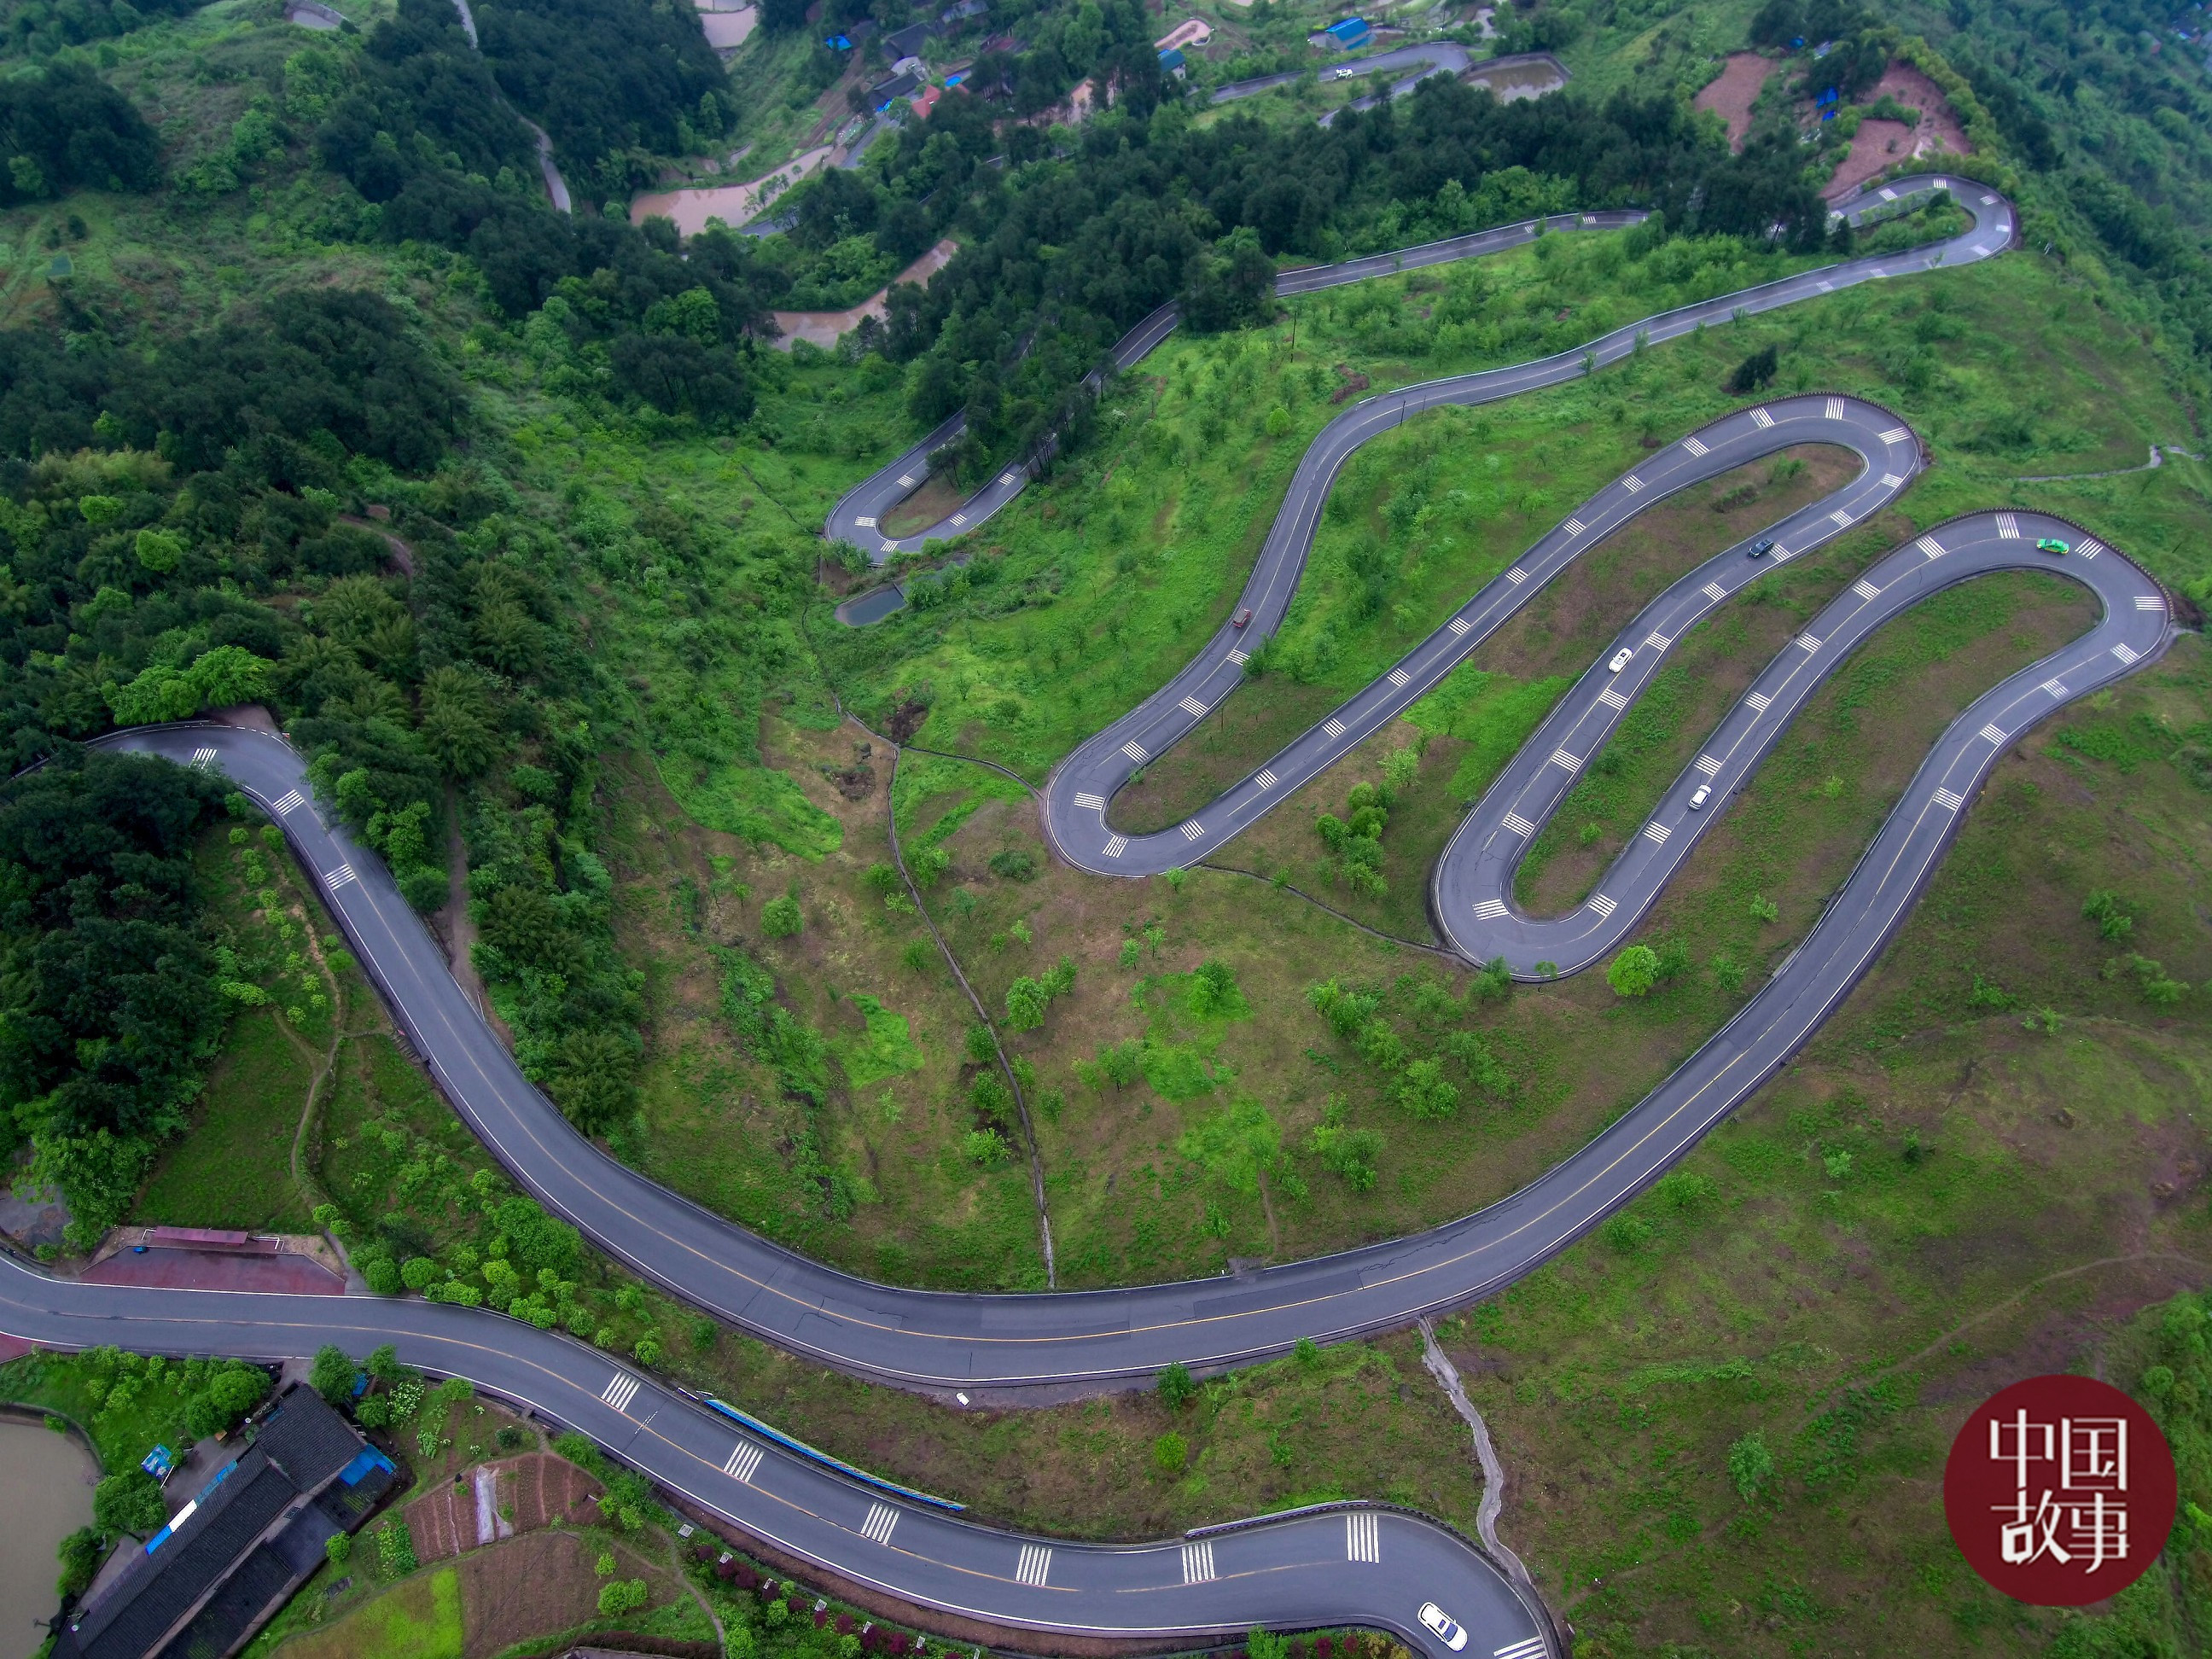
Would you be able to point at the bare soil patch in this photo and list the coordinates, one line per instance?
(1731, 95)
(533, 1492)
(539, 1585)
(1879, 145)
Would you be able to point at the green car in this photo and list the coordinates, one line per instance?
(2050, 544)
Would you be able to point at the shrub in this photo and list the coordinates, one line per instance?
(2114, 915)
(1754, 372)
(623, 1596)
(1015, 864)
(382, 1276)
(986, 1149)
(419, 1272)
(338, 1546)
(1213, 989)
(780, 917)
(1170, 1452)
(1750, 1465)
(1176, 1386)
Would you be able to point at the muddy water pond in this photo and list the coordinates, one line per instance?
(45, 1491)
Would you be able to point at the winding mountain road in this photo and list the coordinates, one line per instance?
(1362, 1565)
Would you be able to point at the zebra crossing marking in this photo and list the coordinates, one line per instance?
(1034, 1564)
(1887, 194)
(1115, 845)
(960, 518)
(1708, 766)
(1561, 757)
(1896, 435)
(1240, 658)
(1192, 830)
(2090, 547)
(203, 759)
(743, 1462)
(2056, 688)
(1714, 592)
(1095, 802)
(2149, 602)
(1398, 677)
(1930, 546)
(882, 1517)
(2127, 653)
(1198, 1563)
(290, 802)
(1842, 516)
(1574, 528)
(1658, 641)
(1363, 1537)
(1135, 752)
(1865, 589)
(1990, 733)
(1519, 825)
(1491, 909)
(2008, 527)
(341, 876)
(1759, 702)
(1656, 833)
(1806, 642)
(907, 482)
(1334, 728)
(1612, 699)
(1459, 626)
(1006, 477)
(1266, 779)
(1949, 800)
(1192, 707)
(1602, 905)
(1835, 409)
(620, 1391)
(1892, 480)
(1528, 1647)
(888, 547)
(1988, 200)
(1694, 446)
(1760, 417)
(1632, 483)
(1517, 575)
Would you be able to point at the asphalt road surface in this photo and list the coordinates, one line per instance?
(1345, 1564)
(1436, 58)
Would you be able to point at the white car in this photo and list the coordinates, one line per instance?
(1444, 1625)
(1346, 73)
(1620, 659)
(1698, 801)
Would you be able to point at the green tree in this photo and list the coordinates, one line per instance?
(455, 722)
(80, 1554)
(332, 1374)
(129, 1502)
(339, 1548)
(1026, 1002)
(1634, 971)
(1176, 1386)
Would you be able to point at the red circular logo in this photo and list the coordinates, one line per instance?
(2060, 1491)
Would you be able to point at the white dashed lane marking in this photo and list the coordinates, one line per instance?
(1198, 1563)
(882, 1517)
(1363, 1536)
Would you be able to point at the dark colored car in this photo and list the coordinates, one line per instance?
(1762, 547)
